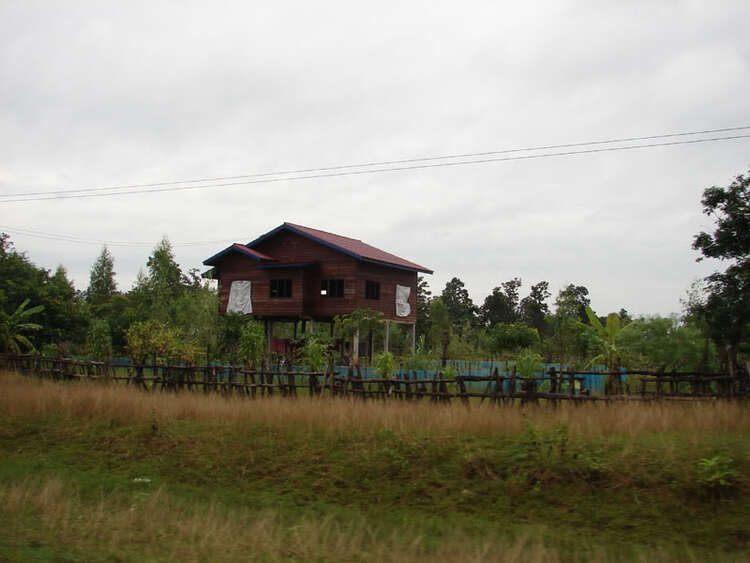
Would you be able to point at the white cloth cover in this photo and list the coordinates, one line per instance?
(239, 298)
(402, 301)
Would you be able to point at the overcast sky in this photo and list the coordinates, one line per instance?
(99, 94)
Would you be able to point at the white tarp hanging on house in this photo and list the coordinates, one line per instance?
(402, 301)
(239, 298)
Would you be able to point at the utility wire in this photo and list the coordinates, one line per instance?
(374, 163)
(99, 242)
(379, 170)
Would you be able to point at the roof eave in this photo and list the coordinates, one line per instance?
(231, 248)
(415, 268)
(288, 227)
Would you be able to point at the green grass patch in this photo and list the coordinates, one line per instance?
(544, 489)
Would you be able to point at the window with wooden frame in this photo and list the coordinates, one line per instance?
(280, 288)
(372, 289)
(332, 288)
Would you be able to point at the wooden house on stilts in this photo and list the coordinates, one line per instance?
(294, 273)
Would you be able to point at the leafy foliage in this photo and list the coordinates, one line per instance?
(528, 364)
(716, 473)
(605, 339)
(507, 337)
(315, 353)
(362, 320)
(533, 309)
(501, 306)
(423, 307)
(572, 301)
(385, 362)
(253, 343)
(100, 340)
(665, 343)
(102, 285)
(152, 339)
(14, 326)
(440, 326)
(460, 307)
(727, 305)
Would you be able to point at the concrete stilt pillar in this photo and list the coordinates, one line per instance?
(269, 335)
(387, 335)
(355, 349)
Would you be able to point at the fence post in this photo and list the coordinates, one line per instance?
(462, 389)
(553, 383)
(571, 384)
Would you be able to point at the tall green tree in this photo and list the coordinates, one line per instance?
(572, 301)
(726, 308)
(423, 307)
(533, 309)
(156, 292)
(102, 285)
(569, 341)
(165, 281)
(62, 318)
(501, 306)
(460, 307)
(440, 327)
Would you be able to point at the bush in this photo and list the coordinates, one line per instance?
(385, 362)
(314, 354)
(716, 474)
(100, 340)
(252, 343)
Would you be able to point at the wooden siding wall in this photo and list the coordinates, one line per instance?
(388, 278)
(306, 300)
(238, 267)
(332, 264)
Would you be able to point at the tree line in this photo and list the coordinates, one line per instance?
(174, 313)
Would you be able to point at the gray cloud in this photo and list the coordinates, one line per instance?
(98, 93)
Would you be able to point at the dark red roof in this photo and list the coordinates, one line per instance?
(242, 249)
(358, 248)
(353, 247)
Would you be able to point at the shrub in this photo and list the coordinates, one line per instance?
(252, 342)
(100, 340)
(385, 362)
(716, 474)
(314, 354)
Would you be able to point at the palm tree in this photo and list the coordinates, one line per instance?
(14, 325)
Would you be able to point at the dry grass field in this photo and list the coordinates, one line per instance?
(105, 472)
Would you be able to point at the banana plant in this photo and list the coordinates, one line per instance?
(13, 327)
(607, 341)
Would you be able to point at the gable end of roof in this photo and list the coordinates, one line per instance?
(346, 245)
(241, 249)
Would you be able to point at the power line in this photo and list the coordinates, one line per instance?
(371, 164)
(100, 242)
(379, 170)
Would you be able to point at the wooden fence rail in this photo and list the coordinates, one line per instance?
(552, 387)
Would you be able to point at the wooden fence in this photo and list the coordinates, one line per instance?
(508, 388)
